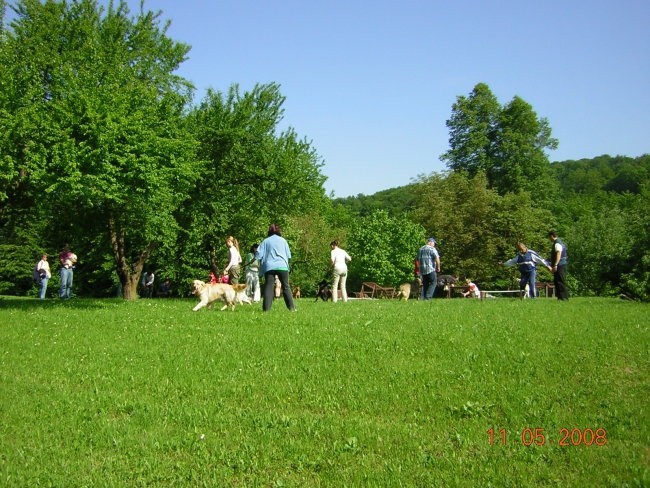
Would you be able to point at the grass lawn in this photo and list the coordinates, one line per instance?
(369, 393)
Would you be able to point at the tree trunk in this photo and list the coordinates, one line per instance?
(129, 274)
(130, 288)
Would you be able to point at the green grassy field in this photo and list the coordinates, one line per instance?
(368, 393)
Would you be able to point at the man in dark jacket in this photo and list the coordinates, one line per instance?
(559, 260)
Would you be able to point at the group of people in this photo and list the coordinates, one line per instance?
(527, 261)
(271, 260)
(232, 271)
(428, 266)
(67, 262)
(147, 283)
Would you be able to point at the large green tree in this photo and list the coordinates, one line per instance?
(252, 174)
(97, 126)
(507, 143)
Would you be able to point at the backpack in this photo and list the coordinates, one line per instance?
(37, 275)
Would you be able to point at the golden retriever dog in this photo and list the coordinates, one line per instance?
(241, 295)
(296, 292)
(404, 291)
(209, 293)
(409, 290)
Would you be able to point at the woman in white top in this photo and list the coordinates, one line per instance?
(233, 269)
(43, 268)
(339, 259)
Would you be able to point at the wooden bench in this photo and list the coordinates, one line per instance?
(459, 289)
(370, 289)
(549, 288)
(486, 293)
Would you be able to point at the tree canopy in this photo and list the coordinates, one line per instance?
(102, 147)
(507, 143)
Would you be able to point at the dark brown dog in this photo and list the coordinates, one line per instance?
(323, 292)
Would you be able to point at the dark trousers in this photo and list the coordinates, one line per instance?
(559, 280)
(429, 282)
(269, 286)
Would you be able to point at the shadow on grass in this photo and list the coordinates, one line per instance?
(29, 303)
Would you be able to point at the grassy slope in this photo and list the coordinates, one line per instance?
(109, 393)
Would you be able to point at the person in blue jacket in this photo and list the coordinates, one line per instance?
(274, 256)
(527, 261)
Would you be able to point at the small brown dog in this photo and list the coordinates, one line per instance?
(296, 292)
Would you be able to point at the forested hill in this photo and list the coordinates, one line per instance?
(616, 174)
(604, 173)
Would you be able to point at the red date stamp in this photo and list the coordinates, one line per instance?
(537, 437)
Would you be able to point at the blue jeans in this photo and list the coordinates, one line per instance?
(66, 283)
(41, 294)
(529, 278)
(429, 282)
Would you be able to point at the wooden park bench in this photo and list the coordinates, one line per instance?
(370, 289)
(456, 289)
(549, 289)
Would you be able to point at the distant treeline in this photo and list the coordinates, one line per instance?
(599, 206)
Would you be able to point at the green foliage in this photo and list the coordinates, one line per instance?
(604, 173)
(395, 201)
(250, 176)
(472, 131)
(383, 249)
(475, 227)
(367, 393)
(607, 233)
(101, 111)
(506, 143)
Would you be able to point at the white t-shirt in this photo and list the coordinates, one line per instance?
(235, 258)
(339, 259)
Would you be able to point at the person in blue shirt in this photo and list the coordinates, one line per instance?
(274, 256)
(429, 267)
(527, 261)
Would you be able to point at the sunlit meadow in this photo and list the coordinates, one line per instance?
(369, 393)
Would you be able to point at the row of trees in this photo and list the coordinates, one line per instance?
(103, 147)
(600, 207)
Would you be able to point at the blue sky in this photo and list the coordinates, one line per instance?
(372, 84)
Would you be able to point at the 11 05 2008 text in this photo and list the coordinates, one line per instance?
(538, 437)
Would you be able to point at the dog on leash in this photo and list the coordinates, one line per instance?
(323, 292)
(209, 293)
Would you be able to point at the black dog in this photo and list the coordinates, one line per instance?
(323, 291)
